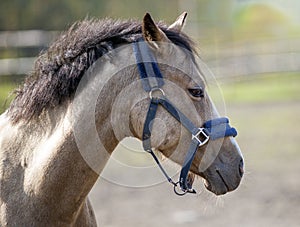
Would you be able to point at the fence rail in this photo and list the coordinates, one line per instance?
(232, 59)
(29, 38)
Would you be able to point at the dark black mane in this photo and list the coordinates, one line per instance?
(57, 72)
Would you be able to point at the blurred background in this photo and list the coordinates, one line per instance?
(253, 49)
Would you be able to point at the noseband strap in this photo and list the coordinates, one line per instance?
(152, 80)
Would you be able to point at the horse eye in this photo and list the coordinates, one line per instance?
(196, 92)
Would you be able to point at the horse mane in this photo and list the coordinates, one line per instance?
(58, 71)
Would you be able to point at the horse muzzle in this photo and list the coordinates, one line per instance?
(221, 178)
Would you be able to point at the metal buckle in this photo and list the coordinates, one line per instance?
(203, 134)
(156, 89)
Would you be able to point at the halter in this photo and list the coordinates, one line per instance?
(152, 81)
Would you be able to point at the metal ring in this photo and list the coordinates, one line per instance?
(156, 89)
(181, 193)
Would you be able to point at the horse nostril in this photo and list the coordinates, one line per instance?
(241, 168)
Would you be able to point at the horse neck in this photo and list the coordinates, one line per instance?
(53, 171)
(60, 158)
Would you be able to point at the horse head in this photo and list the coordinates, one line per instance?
(218, 161)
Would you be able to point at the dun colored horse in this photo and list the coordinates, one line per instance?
(87, 92)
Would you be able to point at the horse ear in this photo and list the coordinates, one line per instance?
(152, 33)
(179, 23)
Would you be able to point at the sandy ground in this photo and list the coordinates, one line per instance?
(268, 196)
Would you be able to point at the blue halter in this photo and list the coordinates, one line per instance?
(152, 80)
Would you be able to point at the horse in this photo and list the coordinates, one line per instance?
(89, 90)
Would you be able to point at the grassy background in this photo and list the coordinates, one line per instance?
(6, 92)
(263, 88)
